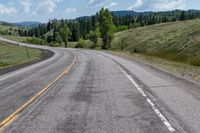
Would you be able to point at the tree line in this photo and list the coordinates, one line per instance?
(103, 25)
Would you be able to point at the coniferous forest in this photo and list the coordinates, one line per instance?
(83, 27)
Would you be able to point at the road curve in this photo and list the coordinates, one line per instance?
(17, 87)
(103, 93)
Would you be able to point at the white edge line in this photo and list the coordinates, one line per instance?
(156, 110)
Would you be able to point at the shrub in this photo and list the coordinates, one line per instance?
(195, 61)
(3, 63)
(170, 54)
(35, 40)
(80, 44)
(53, 44)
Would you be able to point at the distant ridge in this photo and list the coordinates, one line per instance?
(122, 13)
(5, 23)
(27, 24)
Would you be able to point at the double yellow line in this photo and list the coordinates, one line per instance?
(14, 115)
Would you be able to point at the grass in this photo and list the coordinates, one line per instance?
(8, 29)
(16, 38)
(72, 44)
(176, 41)
(195, 61)
(32, 40)
(11, 55)
(177, 68)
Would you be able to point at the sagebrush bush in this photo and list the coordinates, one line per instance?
(170, 54)
(80, 44)
(195, 61)
(4, 63)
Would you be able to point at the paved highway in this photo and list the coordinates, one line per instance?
(100, 93)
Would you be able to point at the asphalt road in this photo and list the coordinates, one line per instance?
(102, 93)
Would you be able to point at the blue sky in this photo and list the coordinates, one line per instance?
(43, 10)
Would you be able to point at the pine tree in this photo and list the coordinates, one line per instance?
(182, 15)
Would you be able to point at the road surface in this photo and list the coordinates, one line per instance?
(101, 93)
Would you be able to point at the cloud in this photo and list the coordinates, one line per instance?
(101, 3)
(157, 5)
(180, 4)
(91, 2)
(70, 10)
(26, 4)
(97, 3)
(136, 5)
(47, 5)
(34, 13)
(111, 4)
(7, 10)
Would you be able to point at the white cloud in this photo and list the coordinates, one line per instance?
(111, 4)
(70, 10)
(101, 3)
(26, 4)
(7, 10)
(47, 5)
(136, 5)
(91, 1)
(180, 4)
(34, 13)
(97, 3)
(157, 5)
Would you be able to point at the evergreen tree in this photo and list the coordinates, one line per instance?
(81, 27)
(182, 16)
(106, 27)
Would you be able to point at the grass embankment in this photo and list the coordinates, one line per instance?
(12, 55)
(16, 38)
(32, 40)
(176, 41)
(177, 68)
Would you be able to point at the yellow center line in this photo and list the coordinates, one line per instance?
(7, 121)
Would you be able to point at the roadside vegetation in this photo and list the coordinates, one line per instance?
(183, 70)
(176, 41)
(173, 35)
(6, 29)
(81, 27)
(32, 40)
(15, 33)
(12, 55)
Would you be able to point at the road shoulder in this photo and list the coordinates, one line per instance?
(179, 70)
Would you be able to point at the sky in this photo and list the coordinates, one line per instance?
(43, 10)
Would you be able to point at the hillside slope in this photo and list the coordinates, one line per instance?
(175, 40)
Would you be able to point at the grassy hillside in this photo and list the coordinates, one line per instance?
(11, 55)
(179, 41)
(8, 29)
